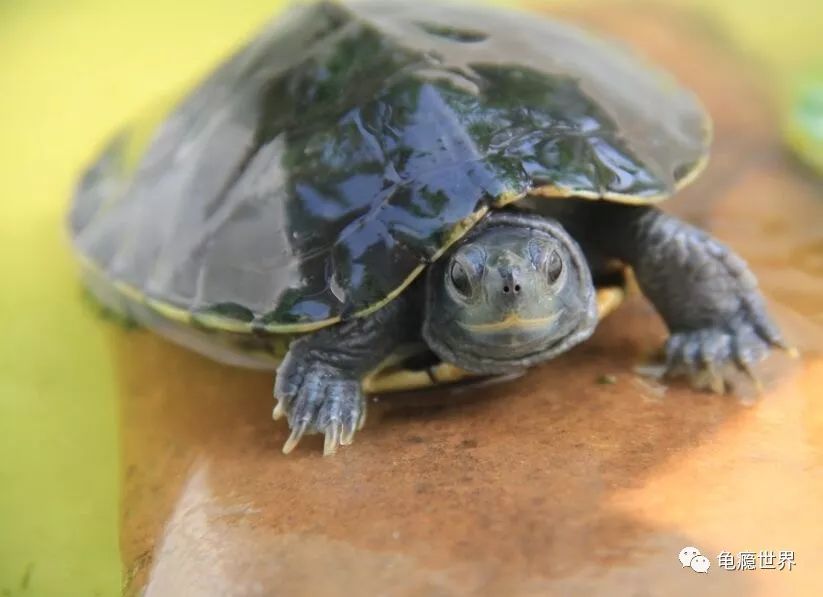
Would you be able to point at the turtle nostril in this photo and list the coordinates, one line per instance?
(517, 287)
(506, 289)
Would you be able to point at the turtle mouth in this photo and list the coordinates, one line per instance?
(512, 322)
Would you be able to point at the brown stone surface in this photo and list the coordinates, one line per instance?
(549, 484)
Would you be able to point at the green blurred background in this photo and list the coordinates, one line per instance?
(70, 72)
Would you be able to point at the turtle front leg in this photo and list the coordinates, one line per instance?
(706, 294)
(319, 383)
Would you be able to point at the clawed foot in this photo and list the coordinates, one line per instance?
(707, 357)
(318, 398)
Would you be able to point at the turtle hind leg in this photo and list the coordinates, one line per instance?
(706, 294)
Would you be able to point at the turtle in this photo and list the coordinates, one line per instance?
(378, 196)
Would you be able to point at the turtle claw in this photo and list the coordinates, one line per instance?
(712, 379)
(332, 439)
(348, 436)
(318, 398)
(295, 437)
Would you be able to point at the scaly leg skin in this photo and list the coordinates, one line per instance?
(318, 385)
(706, 294)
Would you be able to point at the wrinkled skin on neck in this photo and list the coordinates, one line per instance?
(516, 291)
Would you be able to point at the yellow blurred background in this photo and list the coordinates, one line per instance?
(70, 72)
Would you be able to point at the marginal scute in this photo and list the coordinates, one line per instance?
(453, 33)
(228, 311)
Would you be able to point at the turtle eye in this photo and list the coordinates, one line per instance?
(465, 272)
(460, 279)
(554, 267)
(546, 259)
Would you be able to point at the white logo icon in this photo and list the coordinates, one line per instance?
(700, 564)
(690, 557)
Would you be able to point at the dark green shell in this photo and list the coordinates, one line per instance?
(316, 173)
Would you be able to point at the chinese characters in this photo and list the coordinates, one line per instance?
(762, 560)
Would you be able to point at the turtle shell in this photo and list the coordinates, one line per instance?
(317, 172)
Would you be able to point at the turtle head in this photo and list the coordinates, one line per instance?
(514, 292)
